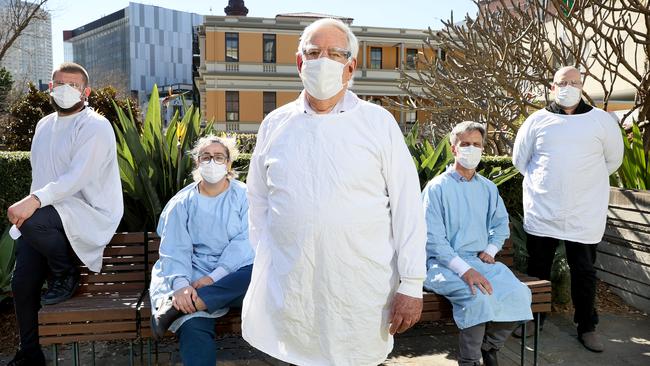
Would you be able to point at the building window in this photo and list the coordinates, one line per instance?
(411, 117)
(232, 47)
(269, 103)
(375, 57)
(442, 55)
(232, 106)
(411, 58)
(268, 48)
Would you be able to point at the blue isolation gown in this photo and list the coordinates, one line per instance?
(198, 235)
(463, 217)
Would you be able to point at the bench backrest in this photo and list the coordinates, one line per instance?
(123, 267)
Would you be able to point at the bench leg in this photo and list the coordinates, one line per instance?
(55, 355)
(149, 353)
(523, 343)
(131, 353)
(92, 346)
(75, 354)
(537, 325)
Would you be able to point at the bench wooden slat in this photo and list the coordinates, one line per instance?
(85, 328)
(46, 341)
(131, 237)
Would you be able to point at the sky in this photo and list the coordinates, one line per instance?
(418, 14)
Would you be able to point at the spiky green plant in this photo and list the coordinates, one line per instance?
(7, 260)
(154, 164)
(634, 172)
(432, 160)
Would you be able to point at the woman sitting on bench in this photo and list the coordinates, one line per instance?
(205, 257)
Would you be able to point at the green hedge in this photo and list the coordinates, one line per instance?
(15, 180)
(511, 190)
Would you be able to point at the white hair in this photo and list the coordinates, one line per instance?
(466, 126)
(305, 37)
(230, 143)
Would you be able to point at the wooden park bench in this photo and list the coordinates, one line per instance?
(437, 307)
(114, 304)
(105, 304)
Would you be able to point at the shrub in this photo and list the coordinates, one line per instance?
(15, 180)
(35, 104)
(24, 115)
(102, 99)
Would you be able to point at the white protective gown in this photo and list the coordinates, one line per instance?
(74, 169)
(566, 161)
(336, 219)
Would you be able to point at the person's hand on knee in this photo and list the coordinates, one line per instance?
(23, 209)
(183, 299)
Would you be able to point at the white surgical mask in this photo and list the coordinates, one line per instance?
(567, 96)
(65, 96)
(468, 156)
(322, 77)
(212, 172)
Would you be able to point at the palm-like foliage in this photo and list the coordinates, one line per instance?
(156, 164)
(7, 260)
(634, 172)
(432, 160)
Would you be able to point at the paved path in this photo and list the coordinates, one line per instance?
(627, 339)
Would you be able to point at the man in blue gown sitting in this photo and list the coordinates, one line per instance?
(467, 224)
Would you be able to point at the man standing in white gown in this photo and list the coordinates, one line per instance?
(335, 218)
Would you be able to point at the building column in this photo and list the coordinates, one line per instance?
(363, 57)
(401, 56)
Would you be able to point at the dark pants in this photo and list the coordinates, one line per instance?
(581, 259)
(42, 248)
(197, 335)
(486, 337)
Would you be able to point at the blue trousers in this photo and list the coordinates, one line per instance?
(197, 335)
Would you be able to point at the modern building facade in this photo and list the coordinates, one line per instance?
(30, 57)
(248, 66)
(135, 48)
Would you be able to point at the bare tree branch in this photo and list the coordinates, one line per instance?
(15, 16)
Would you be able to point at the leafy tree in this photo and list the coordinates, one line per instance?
(6, 82)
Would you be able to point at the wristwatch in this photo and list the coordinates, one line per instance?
(36, 198)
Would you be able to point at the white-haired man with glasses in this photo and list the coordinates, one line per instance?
(566, 153)
(335, 218)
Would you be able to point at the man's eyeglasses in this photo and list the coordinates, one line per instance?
(218, 158)
(336, 54)
(56, 83)
(573, 83)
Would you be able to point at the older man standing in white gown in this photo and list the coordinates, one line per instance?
(335, 217)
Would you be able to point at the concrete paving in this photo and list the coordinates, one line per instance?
(627, 340)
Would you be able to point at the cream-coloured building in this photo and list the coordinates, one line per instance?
(248, 66)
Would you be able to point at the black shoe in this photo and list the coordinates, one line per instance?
(490, 357)
(28, 358)
(163, 318)
(61, 288)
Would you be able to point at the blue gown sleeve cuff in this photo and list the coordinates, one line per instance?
(179, 283)
(218, 274)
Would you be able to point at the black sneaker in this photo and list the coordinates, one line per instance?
(61, 288)
(28, 358)
(490, 357)
(163, 318)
